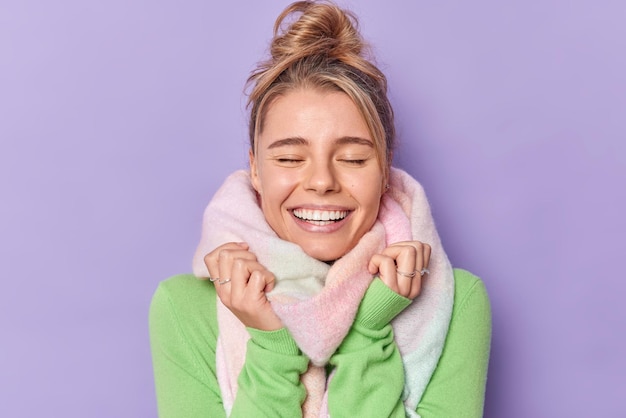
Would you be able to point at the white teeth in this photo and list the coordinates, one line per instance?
(320, 215)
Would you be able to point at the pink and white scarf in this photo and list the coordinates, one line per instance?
(307, 289)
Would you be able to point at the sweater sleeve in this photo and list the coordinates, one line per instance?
(183, 331)
(370, 357)
(269, 382)
(457, 388)
(369, 376)
(184, 375)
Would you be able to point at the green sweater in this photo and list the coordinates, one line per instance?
(184, 330)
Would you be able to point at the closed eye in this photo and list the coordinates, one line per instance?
(355, 162)
(288, 161)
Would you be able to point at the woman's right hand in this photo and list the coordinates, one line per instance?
(241, 283)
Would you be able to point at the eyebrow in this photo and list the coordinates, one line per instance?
(344, 140)
(296, 140)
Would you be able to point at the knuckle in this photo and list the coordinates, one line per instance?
(389, 263)
(378, 259)
(239, 263)
(207, 258)
(412, 250)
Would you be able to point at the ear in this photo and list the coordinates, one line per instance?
(386, 177)
(384, 186)
(254, 175)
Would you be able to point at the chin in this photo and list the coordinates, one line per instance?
(323, 253)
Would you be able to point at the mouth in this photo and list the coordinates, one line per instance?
(320, 217)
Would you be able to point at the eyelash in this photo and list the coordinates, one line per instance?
(288, 160)
(354, 162)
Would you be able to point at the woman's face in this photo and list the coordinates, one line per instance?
(317, 172)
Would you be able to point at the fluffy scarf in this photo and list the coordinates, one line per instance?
(307, 289)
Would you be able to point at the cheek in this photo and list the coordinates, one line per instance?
(274, 188)
(367, 186)
(369, 197)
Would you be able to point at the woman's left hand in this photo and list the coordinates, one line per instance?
(401, 267)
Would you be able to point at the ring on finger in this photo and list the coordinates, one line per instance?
(409, 275)
(213, 280)
(424, 271)
(224, 281)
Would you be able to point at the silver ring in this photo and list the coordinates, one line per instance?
(213, 280)
(224, 281)
(409, 275)
(424, 271)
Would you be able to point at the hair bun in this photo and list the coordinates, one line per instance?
(309, 28)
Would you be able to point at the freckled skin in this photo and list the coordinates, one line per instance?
(315, 152)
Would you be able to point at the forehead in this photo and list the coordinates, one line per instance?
(313, 115)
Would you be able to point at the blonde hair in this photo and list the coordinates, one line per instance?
(318, 45)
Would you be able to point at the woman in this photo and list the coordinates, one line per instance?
(328, 290)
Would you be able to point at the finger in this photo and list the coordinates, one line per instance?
(240, 274)
(211, 260)
(418, 260)
(405, 256)
(221, 262)
(427, 251)
(233, 272)
(227, 257)
(261, 281)
(423, 258)
(254, 309)
(385, 267)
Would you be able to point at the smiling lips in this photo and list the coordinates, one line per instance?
(320, 217)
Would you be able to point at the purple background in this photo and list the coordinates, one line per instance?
(118, 120)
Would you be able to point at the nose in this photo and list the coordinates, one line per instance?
(321, 178)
